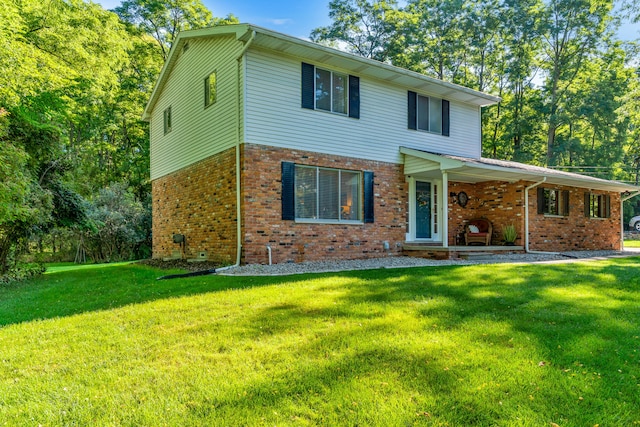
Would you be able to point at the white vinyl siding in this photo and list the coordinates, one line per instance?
(274, 117)
(197, 132)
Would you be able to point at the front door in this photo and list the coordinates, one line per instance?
(423, 210)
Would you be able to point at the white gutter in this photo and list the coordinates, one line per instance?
(526, 219)
(238, 173)
(622, 200)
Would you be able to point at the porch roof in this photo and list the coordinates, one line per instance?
(424, 164)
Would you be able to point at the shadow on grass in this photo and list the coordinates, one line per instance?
(581, 319)
(65, 293)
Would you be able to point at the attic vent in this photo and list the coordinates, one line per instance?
(185, 47)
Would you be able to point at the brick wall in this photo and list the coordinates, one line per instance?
(503, 203)
(200, 202)
(296, 242)
(574, 232)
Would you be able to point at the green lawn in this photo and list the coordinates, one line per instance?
(632, 243)
(522, 345)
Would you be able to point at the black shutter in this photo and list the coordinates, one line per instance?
(368, 196)
(308, 83)
(540, 200)
(445, 117)
(607, 206)
(354, 97)
(288, 195)
(587, 205)
(565, 203)
(412, 99)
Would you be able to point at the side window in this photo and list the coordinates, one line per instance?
(428, 113)
(210, 89)
(167, 120)
(332, 91)
(597, 205)
(553, 202)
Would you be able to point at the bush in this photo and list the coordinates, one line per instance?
(119, 226)
(21, 272)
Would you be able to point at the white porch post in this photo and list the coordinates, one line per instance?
(445, 209)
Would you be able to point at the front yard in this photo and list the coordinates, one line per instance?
(477, 345)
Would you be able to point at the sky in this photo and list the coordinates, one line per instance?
(298, 17)
(294, 18)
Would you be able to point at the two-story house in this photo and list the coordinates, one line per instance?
(268, 147)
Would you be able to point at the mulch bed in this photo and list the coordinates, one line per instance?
(181, 264)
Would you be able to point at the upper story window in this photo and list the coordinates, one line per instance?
(317, 194)
(597, 205)
(553, 202)
(210, 89)
(428, 113)
(332, 91)
(167, 120)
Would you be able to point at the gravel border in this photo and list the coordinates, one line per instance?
(405, 261)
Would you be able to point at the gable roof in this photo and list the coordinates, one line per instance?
(313, 52)
(466, 169)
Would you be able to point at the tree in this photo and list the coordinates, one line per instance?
(367, 28)
(164, 19)
(572, 29)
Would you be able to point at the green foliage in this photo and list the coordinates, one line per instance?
(164, 19)
(119, 226)
(462, 346)
(509, 233)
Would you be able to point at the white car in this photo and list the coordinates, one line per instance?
(634, 223)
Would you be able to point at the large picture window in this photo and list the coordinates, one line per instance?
(553, 202)
(597, 205)
(317, 194)
(327, 194)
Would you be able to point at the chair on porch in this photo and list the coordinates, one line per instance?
(478, 230)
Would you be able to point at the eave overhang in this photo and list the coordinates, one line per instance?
(471, 170)
(316, 53)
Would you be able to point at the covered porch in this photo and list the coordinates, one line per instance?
(446, 192)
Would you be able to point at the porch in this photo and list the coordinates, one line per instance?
(435, 250)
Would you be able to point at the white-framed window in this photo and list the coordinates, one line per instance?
(597, 205)
(210, 89)
(331, 91)
(429, 113)
(552, 201)
(167, 119)
(325, 194)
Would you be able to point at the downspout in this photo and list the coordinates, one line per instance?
(239, 135)
(526, 219)
(622, 200)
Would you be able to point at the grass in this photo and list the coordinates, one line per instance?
(632, 243)
(523, 345)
